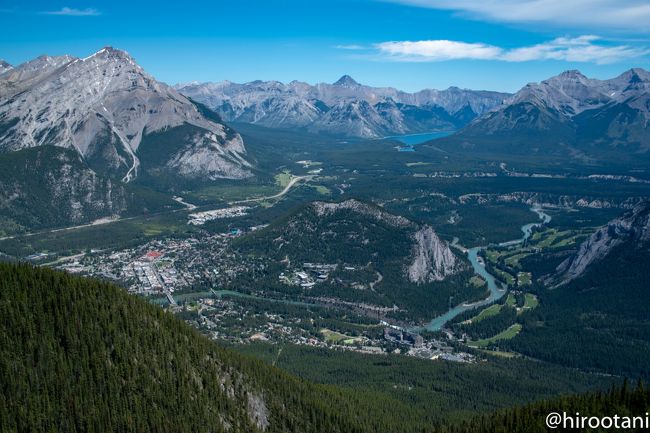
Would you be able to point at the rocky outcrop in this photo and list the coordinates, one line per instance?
(4, 67)
(632, 229)
(432, 258)
(103, 107)
(326, 208)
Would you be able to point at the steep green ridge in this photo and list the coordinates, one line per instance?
(82, 355)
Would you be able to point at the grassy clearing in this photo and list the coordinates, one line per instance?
(505, 277)
(477, 281)
(322, 189)
(500, 353)
(490, 311)
(513, 261)
(232, 193)
(524, 279)
(530, 301)
(511, 301)
(283, 179)
(493, 256)
(338, 338)
(507, 334)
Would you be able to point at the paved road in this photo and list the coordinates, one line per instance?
(286, 189)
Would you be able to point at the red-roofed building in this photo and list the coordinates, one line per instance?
(152, 255)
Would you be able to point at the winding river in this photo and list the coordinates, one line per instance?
(496, 289)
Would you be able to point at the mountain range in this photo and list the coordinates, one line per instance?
(567, 115)
(108, 123)
(344, 108)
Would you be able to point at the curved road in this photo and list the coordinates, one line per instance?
(286, 189)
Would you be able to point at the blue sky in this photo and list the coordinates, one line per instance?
(408, 44)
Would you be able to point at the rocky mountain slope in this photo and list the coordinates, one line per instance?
(109, 123)
(570, 114)
(4, 66)
(376, 260)
(104, 106)
(631, 231)
(344, 108)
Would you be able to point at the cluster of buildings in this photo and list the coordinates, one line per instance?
(184, 273)
(309, 275)
(200, 218)
(151, 275)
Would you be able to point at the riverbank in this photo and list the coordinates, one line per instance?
(497, 290)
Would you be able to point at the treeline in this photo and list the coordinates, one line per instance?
(81, 355)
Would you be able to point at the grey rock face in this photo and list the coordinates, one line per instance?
(343, 108)
(102, 106)
(4, 67)
(633, 229)
(433, 260)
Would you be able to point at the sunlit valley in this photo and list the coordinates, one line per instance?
(291, 256)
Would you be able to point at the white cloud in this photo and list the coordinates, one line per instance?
(74, 12)
(629, 15)
(437, 50)
(580, 49)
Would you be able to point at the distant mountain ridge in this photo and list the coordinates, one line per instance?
(344, 108)
(569, 114)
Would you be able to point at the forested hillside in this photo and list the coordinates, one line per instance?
(79, 355)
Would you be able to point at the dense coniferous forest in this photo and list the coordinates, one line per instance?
(79, 355)
(602, 318)
(624, 401)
